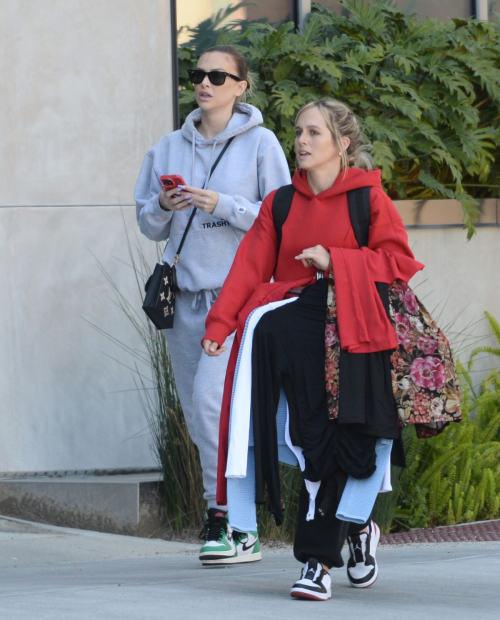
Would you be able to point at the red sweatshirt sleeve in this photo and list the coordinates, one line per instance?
(254, 263)
(363, 323)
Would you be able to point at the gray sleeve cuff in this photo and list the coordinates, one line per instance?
(158, 211)
(224, 207)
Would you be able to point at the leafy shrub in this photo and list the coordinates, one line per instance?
(455, 477)
(427, 92)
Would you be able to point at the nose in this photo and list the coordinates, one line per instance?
(205, 82)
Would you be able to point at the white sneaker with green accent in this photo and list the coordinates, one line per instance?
(218, 546)
(247, 547)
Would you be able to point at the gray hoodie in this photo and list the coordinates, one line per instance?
(253, 165)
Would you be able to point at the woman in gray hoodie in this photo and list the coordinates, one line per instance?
(228, 203)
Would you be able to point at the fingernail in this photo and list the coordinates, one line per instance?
(181, 186)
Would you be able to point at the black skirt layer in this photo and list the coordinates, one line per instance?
(289, 351)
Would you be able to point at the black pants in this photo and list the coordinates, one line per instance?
(289, 352)
(324, 536)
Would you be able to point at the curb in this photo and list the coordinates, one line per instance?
(480, 531)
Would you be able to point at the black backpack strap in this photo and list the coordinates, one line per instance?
(281, 207)
(359, 212)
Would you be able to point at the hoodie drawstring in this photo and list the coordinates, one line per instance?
(193, 158)
(193, 155)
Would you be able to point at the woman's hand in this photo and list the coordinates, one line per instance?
(174, 200)
(203, 199)
(316, 256)
(212, 348)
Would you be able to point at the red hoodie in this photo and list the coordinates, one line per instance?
(314, 219)
(324, 219)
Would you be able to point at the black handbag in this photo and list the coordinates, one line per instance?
(161, 287)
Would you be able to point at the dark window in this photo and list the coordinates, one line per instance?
(194, 14)
(442, 9)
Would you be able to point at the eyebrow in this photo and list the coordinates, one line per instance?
(307, 127)
(218, 69)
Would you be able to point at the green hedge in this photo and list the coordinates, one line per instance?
(428, 92)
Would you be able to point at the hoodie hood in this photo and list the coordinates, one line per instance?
(352, 179)
(245, 116)
(253, 166)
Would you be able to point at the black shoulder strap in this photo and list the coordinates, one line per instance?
(281, 207)
(179, 249)
(359, 212)
(226, 146)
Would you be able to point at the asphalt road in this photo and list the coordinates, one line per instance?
(58, 573)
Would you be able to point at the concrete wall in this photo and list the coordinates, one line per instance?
(86, 91)
(460, 282)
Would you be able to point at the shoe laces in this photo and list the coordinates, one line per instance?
(214, 528)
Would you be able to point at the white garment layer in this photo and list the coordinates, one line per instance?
(241, 397)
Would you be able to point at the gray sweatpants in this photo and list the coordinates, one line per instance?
(200, 381)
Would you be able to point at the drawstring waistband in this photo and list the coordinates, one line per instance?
(210, 297)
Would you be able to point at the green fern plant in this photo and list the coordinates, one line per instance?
(495, 328)
(457, 474)
(428, 92)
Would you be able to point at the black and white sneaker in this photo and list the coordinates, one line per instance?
(314, 584)
(362, 568)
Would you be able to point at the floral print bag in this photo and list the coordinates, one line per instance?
(423, 373)
(424, 377)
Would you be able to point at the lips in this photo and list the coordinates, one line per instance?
(204, 95)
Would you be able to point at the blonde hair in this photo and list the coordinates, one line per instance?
(241, 65)
(342, 123)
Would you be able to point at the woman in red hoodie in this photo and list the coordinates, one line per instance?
(318, 252)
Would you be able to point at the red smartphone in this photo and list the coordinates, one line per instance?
(171, 181)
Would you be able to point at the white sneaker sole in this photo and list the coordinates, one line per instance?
(235, 559)
(309, 595)
(367, 584)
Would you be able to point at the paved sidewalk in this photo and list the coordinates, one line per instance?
(64, 574)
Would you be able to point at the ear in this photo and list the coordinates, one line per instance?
(242, 86)
(345, 142)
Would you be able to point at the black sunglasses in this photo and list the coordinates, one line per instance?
(217, 78)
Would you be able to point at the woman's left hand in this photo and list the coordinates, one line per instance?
(203, 199)
(212, 348)
(315, 257)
